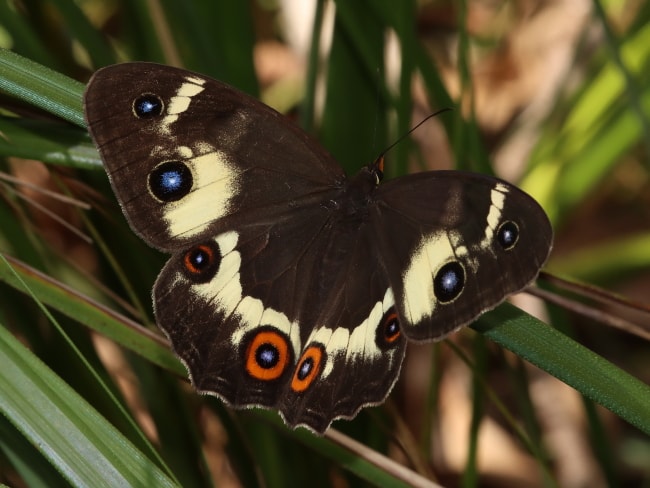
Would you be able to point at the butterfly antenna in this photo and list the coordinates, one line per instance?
(378, 164)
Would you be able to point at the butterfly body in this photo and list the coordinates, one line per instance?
(289, 285)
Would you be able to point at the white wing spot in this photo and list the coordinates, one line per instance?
(214, 186)
(225, 291)
(180, 102)
(359, 344)
(498, 198)
(419, 299)
(184, 152)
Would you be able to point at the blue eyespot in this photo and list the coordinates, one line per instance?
(200, 259)
(147, 106)
(389, 331)
(310, 365)
(392, 328)
(202, 262)
(267, 356)
(170, 181)
(305, 368)
(449, 282)
(508, 235)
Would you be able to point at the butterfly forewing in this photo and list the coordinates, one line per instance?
(189, 156)
(456, 244)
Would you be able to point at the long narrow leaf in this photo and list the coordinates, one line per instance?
(41, 87)
(569, 361)
(92, 314)
(80, 443)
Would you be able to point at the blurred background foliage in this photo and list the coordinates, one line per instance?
(551, 95)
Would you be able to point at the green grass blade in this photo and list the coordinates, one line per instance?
(22, 36)
(49, 142)
(41, 87)
(572, 363)
(92, 315)
(80, 443)
(355, 139)
(25, 458)
(215, 38)
(83, 31)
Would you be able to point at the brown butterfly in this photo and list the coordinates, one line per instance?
(291, 286)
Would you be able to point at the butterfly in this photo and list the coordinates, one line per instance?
(291, 286)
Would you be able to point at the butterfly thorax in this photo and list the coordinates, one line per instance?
(356, 195)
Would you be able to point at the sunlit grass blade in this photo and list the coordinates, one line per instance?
(569, 361)
(598, 129)
(615, 259)
(41, 87)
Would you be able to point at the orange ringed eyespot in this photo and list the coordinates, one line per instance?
(308, 369)
(267, 356)
(392, 330)
(198, 259)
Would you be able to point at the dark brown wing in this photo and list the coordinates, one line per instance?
(189, 156)
(455, 245)
(295, 315)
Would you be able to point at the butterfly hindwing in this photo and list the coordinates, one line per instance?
(339, 349)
